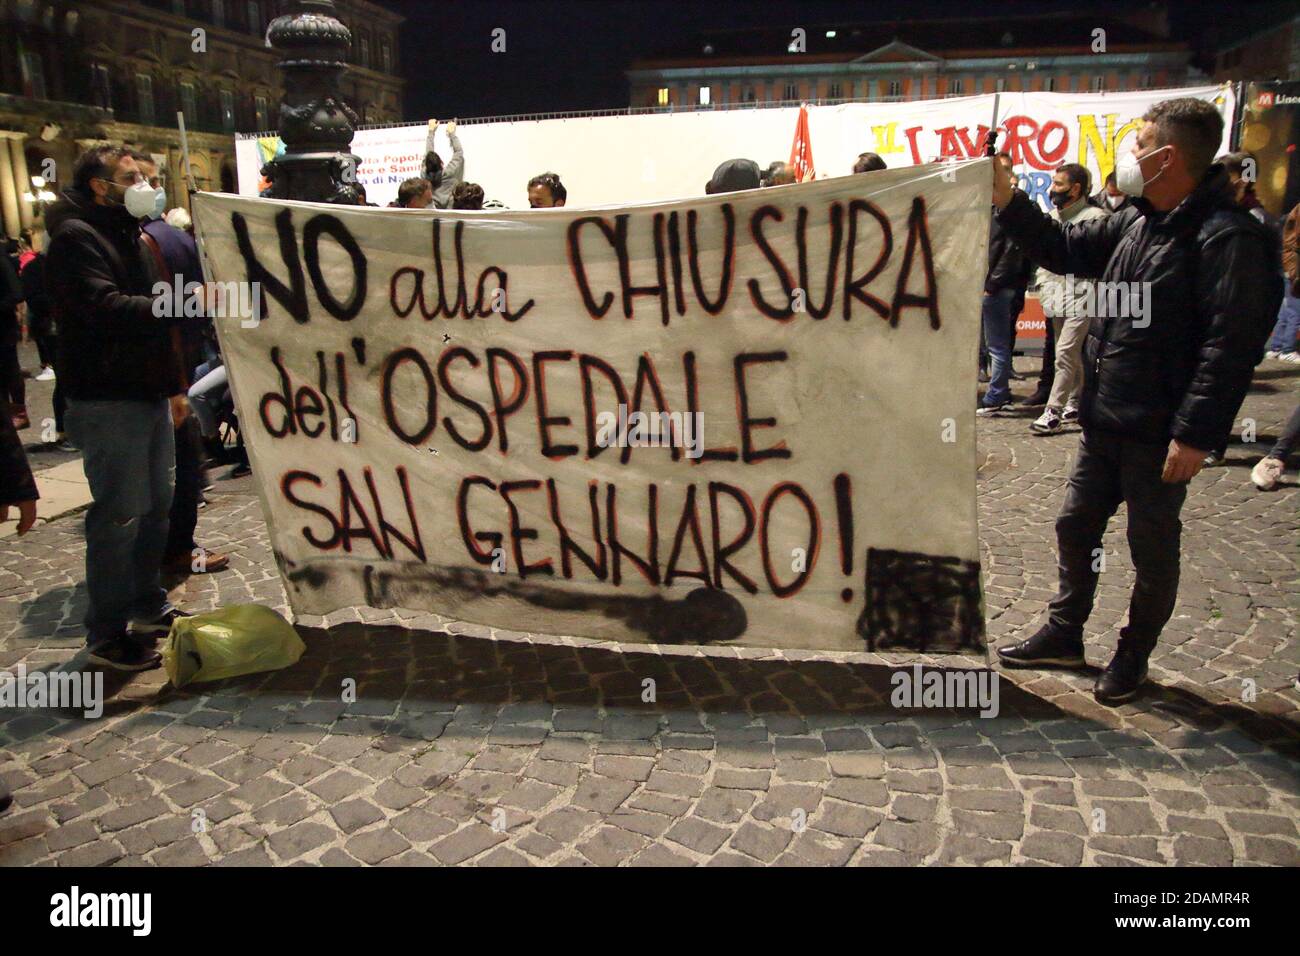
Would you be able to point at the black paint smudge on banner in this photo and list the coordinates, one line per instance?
(705, 615)
(921, 602)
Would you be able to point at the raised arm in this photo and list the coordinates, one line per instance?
(1074, 248)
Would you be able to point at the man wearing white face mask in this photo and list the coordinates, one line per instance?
(118, 369)
(1168, 360)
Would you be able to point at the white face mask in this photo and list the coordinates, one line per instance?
(1113, 201)
(1128, 173)
(143, 200)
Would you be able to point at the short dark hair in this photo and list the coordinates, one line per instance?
(1007, 156)
(467, 196)
(1078, 176)
(1193, 125)
(869, 163)
(552, 182)
(412, 189)
(1110, 179)
(433, 168)
(1234, 163)
(98, 162)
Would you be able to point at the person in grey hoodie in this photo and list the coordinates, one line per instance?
(1065, 304)
(446, 178)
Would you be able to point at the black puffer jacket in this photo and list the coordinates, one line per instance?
(1008, 267)
(100, 280)
(1183, 371)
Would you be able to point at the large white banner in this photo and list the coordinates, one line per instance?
(657, 157)
(746, 418)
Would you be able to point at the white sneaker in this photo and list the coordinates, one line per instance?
(1291, 357)
(47, 375)
(1272, 354)
(1070, 414)
(1048, 423)
(1267, 473)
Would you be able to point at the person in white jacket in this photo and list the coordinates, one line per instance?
(446, 178)
(1067, 304)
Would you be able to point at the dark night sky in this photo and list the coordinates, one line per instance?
(571, 55)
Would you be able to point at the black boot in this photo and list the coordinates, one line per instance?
(1124, 675)
(1049, 647)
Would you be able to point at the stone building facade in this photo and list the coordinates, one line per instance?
(78, 72)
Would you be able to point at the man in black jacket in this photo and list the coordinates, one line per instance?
(117, 369)
(1189, 289)
(17, 487)
(1004, 287)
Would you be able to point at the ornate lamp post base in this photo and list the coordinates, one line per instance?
(316, 124)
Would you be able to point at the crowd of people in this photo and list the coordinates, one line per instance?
(1155, 392)
(1069, 303)
(1163, 380)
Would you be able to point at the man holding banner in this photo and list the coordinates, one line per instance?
(1188, 293)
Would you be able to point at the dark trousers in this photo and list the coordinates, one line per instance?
(1286, 442)
(184, 515)
(13, 389)
(1108, 470)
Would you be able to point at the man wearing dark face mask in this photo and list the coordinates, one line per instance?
(118, 369)
(1064, 300)
(1196, 287)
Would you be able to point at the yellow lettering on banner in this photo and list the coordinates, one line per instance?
(1090, 136)
(885, 138)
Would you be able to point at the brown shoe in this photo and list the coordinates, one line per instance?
(209, 562)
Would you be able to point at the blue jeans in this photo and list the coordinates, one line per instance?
(996, 320)
(130, 462)
(1288, 324)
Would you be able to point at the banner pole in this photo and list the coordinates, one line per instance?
(191, 190)
(991, 143)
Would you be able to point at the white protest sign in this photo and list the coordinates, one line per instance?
(657, 157)
(743, 419)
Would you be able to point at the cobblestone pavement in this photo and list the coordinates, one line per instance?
(518, 749)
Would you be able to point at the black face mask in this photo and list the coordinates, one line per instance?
(1059, 199)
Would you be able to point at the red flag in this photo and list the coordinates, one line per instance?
(801, 157)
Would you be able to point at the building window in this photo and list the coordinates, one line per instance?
(144, 98)
(706, 96)
(791, 91)
(1000, 85)
(254, 17)
(1096, 84)
(260, 113)
(33, 75)
(662, 96)
(1049, 84)
(363, 51)
(101, 87)
(748, 95)
(956, 87)
(228, 111)
(834, 92)
(1145, 80)
(219, 12)
(385, 55)
(178, 8)
(895, 88)
(189, 103)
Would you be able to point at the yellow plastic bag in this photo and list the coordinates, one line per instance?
(229, 642)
